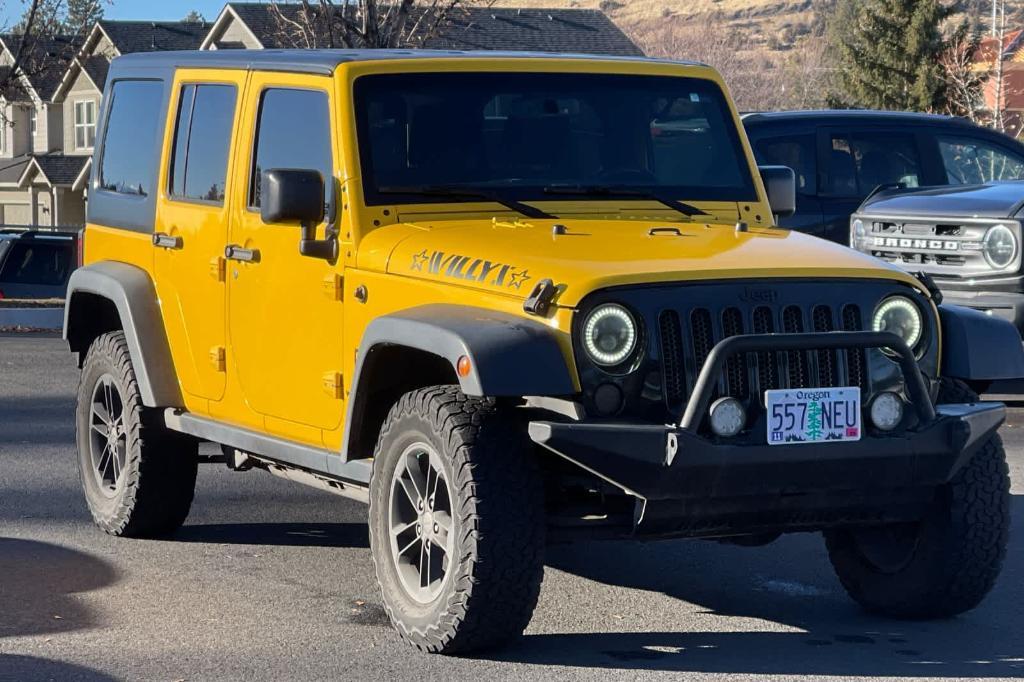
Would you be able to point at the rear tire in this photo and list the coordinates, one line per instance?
(138, 476)
(945, 564)
(454, 484)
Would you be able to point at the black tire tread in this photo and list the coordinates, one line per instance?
(500, 507)
(161, 466)
(955, 573)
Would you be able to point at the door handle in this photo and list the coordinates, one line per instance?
(235, 252)
(166, 241)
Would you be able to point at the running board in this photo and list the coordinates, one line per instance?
(317, 460)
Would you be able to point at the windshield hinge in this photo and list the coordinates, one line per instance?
(539, 300)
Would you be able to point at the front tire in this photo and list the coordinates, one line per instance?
(456, 522)
(945, 564)
(138, 477)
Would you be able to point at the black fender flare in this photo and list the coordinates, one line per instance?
(130, 289)
(976, 346)
(509, 356)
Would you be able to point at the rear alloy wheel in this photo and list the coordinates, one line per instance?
(946, 563)
(456, 521)
(138, 476)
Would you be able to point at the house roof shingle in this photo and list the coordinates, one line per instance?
(60, 169)
(151, 36)
(96, 66)
(481, 28)
(45, 60)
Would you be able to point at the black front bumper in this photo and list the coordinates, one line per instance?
(691, 484)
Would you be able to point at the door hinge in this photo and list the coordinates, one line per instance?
(218, 358)
(218, 268)
(333, 384)
(334, 287)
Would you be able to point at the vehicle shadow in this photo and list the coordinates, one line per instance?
(791, 584)
(33, 669)
(38, 582)
(354, 535)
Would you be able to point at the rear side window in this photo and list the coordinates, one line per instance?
(131, 132)
(293, 131)
(202, 139)
(972, 161)
(859, 163)
(797, 152)
(37, 262)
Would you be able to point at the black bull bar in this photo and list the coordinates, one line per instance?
(675, 462)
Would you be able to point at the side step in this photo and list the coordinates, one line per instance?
(315, 466)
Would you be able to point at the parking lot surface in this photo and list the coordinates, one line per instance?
(269, 580)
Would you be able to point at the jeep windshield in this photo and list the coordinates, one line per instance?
(548, 137)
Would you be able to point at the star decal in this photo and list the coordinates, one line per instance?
(419, 259)
(518, 278)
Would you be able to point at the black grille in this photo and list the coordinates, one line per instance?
(748, 376)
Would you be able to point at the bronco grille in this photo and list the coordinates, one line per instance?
(685, 348)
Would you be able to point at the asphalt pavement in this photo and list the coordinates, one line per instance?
(270, 580)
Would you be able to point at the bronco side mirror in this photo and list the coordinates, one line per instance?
(780, 185)
(290, 195)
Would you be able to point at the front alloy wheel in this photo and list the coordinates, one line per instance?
(108, 438)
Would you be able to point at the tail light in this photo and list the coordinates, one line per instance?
(81, 247)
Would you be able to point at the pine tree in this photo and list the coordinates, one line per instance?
(887, 54)
(82, 14)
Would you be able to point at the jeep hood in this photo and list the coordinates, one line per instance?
(991, 200)
(511, 258)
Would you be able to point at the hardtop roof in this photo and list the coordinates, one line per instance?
(325, 61)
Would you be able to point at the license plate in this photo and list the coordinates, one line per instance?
(813, 415)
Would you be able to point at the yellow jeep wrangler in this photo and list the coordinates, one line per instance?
(508, 299)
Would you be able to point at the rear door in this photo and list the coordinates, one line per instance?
(856, 160)
(192, 224)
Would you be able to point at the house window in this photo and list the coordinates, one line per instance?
(85, 124)
(32, 120)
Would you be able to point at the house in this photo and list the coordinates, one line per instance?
(1006, 93)
(49, 121)
(247, 25)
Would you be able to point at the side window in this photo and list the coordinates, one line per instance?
(202, 139)
(126, 165)
(797, 152)
(861, 162)
(293, 131)
(972, 161)
(33, 262)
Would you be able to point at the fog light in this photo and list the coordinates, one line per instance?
(727, 417)
(886, 411)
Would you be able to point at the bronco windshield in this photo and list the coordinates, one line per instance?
(546, 137)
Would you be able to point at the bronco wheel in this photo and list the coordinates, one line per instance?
(946, 563)
(456, 522)
(138, 477)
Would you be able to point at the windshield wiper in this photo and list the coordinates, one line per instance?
(622, 191)
(456, 191)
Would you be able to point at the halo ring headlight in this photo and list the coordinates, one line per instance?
(610, 335)
(1000, 246)
(901, 316)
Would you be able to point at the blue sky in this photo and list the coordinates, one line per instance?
(167, 10)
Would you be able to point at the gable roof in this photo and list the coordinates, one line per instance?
(1012, 43)
(582, 31)
(96, 67)
(44, 60)
(56, 169)
(150, 36)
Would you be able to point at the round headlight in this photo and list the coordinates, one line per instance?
(1000, 246)
(900, 316)
(609, 335)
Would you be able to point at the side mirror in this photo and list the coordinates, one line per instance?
(292, 195)
(780, 185)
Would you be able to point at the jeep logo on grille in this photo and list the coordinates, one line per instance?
(906, 243)
(752, 295)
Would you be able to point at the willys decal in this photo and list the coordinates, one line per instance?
(456, 266)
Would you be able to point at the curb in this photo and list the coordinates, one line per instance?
(32, 318)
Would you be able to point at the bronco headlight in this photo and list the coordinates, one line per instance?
(999, 246)
(900, 316)
(609, 334)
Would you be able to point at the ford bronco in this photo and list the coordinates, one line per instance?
(508, 299)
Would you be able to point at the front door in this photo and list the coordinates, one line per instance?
(284, 309)
(191, 227)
